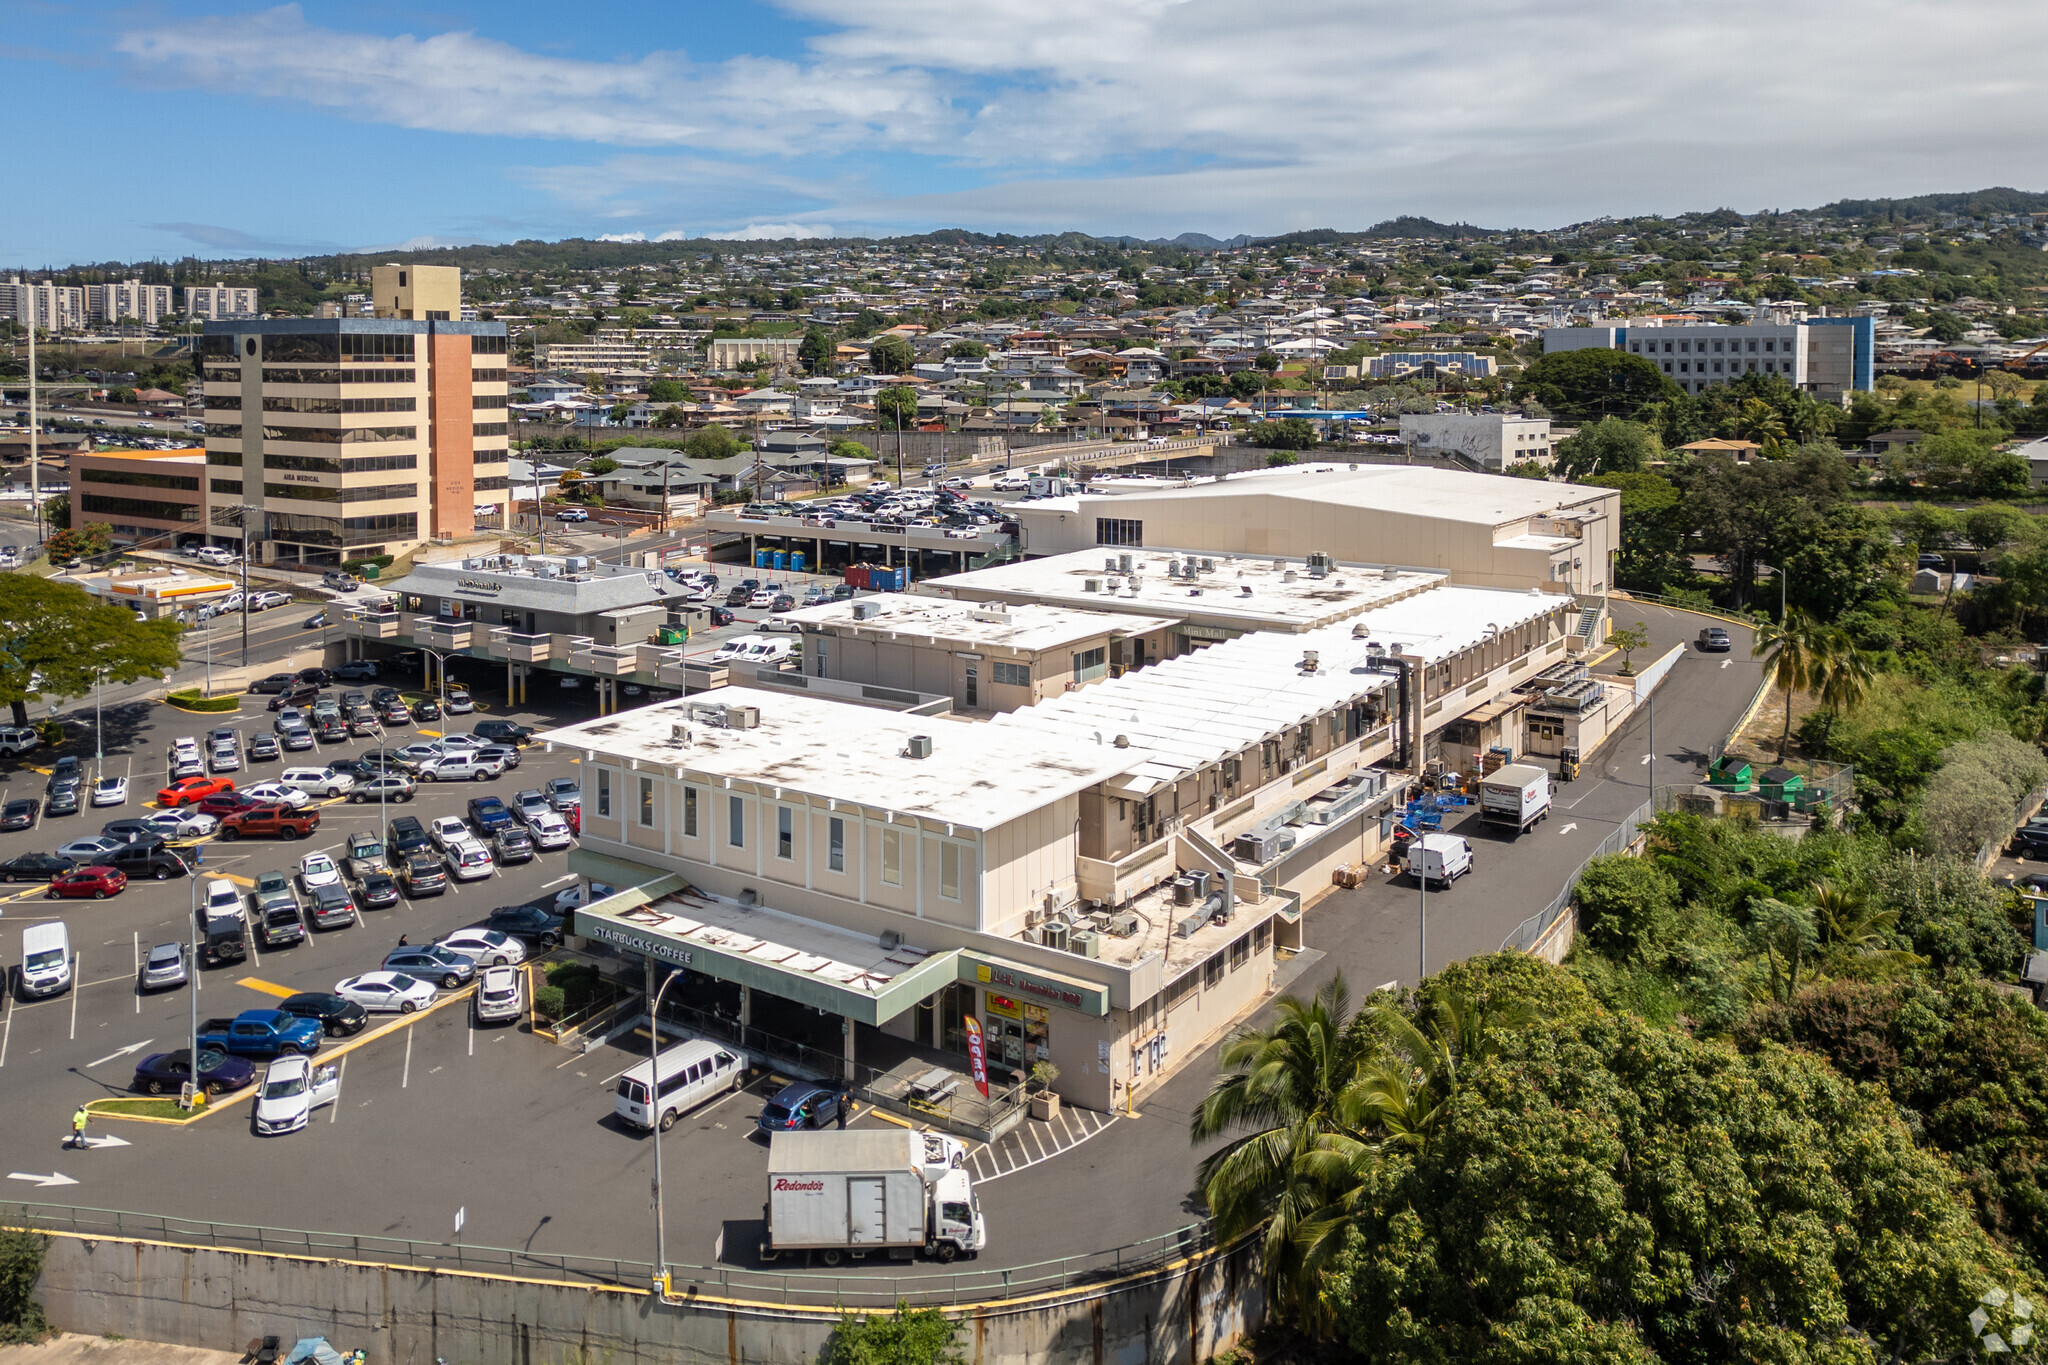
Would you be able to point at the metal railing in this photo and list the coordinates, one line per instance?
(1531, 930)
(852, 1288)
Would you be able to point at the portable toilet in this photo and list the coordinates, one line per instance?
(796, 561)
(781, 560)
(764, 559)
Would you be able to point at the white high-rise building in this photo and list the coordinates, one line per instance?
(148, 304)
(213, 301)
(54, 307)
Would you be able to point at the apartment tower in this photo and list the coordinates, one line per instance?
(332, 439)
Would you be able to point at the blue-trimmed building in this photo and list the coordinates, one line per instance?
(1827, 357)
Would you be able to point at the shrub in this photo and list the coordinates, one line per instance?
(21, 1264)
(1621, 899)
(549, 1002)
(190, 700)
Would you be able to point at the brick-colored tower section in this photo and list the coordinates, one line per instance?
(451, 434)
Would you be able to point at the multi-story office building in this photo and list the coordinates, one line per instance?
(1828, 357)
(147, 498)
(214, 301)
(1492, 440)
(131, 300)
(54, 307)
(329, 439)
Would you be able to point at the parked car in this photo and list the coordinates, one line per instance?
(147, 860)
(163, 1073)
(458, 702)
(422, 874)
(35, 867)
(429, 962)
(96, 883)
(798, 1106)
(357, 670)
(262, 746)
(275, 683)
(572, 514)
(21, 813)
(269, 821)
(462, 767)
(500, 996)
(484, 947)
(278, 794)
(550, 831)
(190, 789)
(375, 889)
(489, 814)
(293, 1087)
(330, 906)
(386, 992)
(534, 924)
(563, 792)
(317, 781)
(529, 803)
(510, 845)
(1715, 640)
(470, 861)
(189, 823)
(163, 968)
(505, 732)
(110, 791)
(338, 1017)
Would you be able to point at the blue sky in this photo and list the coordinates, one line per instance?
(173, 126)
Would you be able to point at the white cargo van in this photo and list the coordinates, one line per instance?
(682, 1077)
(45, 959)
(1439, 858)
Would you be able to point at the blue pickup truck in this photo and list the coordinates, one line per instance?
(261, 1033)
(489, 815)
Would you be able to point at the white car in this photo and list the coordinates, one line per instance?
(462, 767)
(293, 1087)
(389, 992)
(277, 793)
(500, 996)
(448, 831)
(470, 861)
(549, 830)
(317, 781)
(223, 900)
(184, 823)
(764, 598)
(317, 869)
(90, 849)
(110, 791)
(485, 947)
(785, 624)
(573, 897)
(264, 601)
(456, 744)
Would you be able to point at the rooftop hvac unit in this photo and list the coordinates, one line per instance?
(1183, 891)
(891, 940)
(1202, 877)
(743, 717)
(577, 563)
(992, 615)
(920, 746)
(1109, 563)
(1208, 566)
(1086, 942)
(1033, 918)
(866, 611)
(1053, 934)
(1288, 577)
(680, 734)
(1190, 926)
(1123, 563)
(1123, 925)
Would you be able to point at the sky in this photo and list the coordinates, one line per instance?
(165, 128)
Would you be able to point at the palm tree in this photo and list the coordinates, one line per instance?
(1287, 1085)
(1847, 922)
(1759, 421)
(1789, 649)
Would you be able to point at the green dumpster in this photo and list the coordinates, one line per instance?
(672, 635)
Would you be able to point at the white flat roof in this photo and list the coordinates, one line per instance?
(1442, 494)
(1245, 592)
(1026, 627)
(837, 751)
(1190, 712)
(775, 939)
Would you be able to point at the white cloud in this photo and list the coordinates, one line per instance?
(1169, 114)
(772, 232)
(623, 237)
(673, 235)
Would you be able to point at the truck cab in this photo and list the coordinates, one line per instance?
(956, 1222)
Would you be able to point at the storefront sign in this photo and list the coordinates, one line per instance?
(1194, 632)
(483, 585)
(1003, 1005)
(589, 926)
(1085, 996)
(976, 1055)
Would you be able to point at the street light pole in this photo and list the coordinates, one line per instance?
(654, 1114)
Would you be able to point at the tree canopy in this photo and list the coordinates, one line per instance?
(56, 638)
(1587, 385)
(714, 442)
(891, 354)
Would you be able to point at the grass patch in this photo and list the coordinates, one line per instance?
(142, 1109)
(191, 700)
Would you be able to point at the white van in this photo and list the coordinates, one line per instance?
(689, 1073)
(733, 648)
(45, 959)
(1439, 858)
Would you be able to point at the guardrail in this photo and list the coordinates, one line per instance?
(843, 1287)
(1529, 931)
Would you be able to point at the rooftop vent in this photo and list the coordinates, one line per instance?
(1122, 741)
(920, 747)
(1245, 590)
(891, 940)
(1390, 573)
(1091, 585)
(866, 611)
(1311, 660)
(1287, 577)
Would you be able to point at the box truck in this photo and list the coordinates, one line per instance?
(850, 1193)
(1517, 794)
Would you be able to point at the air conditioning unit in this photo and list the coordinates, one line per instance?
(920, 747)
(1033, 918)
(866, 611)
(1201, 880)
(891, 940)
(1183, 891)
(1124, 924)
(1086, 942)
(1091, 585)
(743, 717)
(680, 734)
(1053, 934)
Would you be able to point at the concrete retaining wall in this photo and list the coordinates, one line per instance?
(151, 1291)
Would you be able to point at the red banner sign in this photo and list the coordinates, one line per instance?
(977, 1055)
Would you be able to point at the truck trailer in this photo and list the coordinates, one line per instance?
(1516, 794)
(847, 1194)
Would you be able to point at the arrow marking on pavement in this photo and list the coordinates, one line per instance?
(106, 1142)
(42, 1181)
(1726, 662)
(1569, 828)
(1646, 758)
(123, 1052)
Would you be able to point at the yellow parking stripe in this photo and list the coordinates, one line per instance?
(267, 987)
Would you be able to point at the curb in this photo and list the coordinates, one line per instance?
(248, 1092)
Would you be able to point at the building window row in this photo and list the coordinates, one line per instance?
(488, 345)
(492, 484)
(272, 403)
(488, 455)
(337, 376)
(100, 504)
(313, 492)
(488, 429)
(487, 400)
(1119, 531)
(1012, 675)
(318, 435)
(1688, 348)
(487, 376)
(187, 482)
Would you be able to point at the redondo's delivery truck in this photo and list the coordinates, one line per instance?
(854, 1192)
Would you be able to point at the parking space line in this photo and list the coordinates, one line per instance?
(6, 1023)
(267, 987)
(334, 1110)
(137, 935)
(76, 958)
(405, 1076)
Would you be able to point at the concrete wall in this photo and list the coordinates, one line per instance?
(150, 1291)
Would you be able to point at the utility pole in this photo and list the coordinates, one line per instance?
(35, 422)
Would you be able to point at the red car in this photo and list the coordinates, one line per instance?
(225, 803)
(186, 790)
(96, 882)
